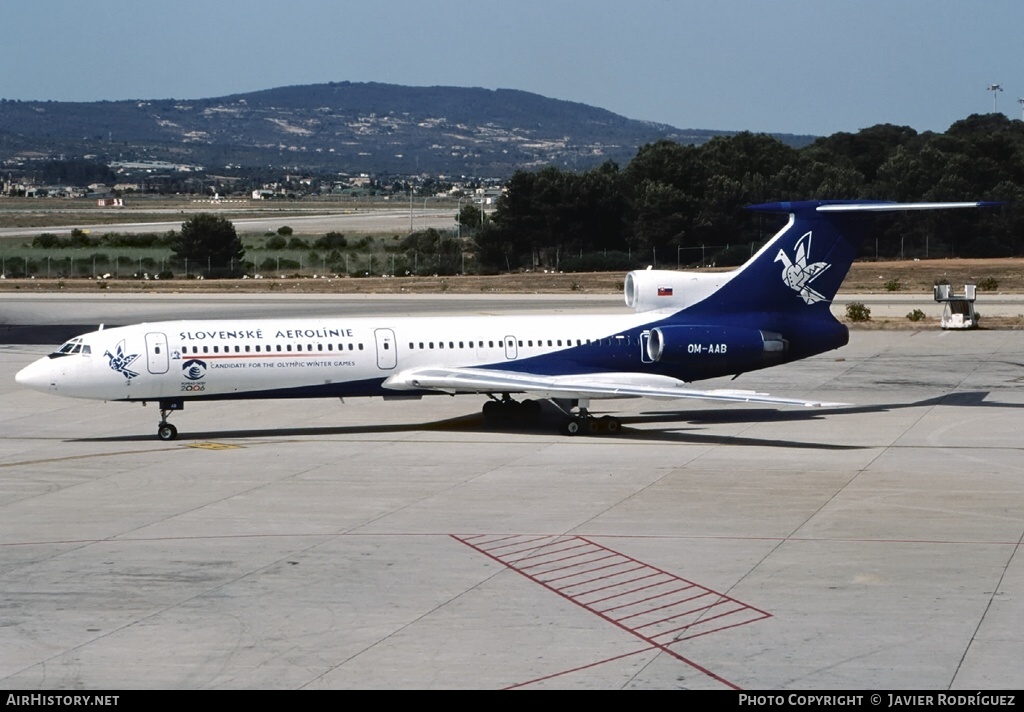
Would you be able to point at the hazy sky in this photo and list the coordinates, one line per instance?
(790, 66)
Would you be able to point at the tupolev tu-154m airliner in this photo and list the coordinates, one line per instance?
(686, 326)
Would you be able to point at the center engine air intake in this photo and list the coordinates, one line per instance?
(646, 290)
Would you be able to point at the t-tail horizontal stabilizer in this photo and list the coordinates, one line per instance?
(858, 206)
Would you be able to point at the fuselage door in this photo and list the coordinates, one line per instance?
(510, 347)
(387, 349)
(157, 358)
(645, 357)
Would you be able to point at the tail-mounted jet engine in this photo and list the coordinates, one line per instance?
(647, 290)
(673, 344)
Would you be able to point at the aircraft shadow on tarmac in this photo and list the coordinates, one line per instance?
(761, 415)
(693, 419)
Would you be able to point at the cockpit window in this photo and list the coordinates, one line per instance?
(74, 346)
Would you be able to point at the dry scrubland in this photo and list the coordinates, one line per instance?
(1005, 276)
(908, 277)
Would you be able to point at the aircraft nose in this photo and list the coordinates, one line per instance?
(35, 376)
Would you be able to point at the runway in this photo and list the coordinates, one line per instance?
(375, 220)
(373, 545)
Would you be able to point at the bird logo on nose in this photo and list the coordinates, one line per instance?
(120, 361)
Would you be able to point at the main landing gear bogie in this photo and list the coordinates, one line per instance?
(507, 410)
(589, 425)
(575, 421)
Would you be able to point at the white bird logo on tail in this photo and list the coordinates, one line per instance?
(798, 275)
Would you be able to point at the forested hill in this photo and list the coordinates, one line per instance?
(342, 126)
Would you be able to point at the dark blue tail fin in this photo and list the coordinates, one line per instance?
(803, 265)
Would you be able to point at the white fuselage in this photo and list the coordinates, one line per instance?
(191, 360)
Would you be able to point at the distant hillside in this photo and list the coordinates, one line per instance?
(343, 126)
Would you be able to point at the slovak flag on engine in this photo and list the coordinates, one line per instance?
(664, 291)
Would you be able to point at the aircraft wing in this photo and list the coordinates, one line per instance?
(575, 386)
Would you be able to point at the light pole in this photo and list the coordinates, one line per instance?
(994, 88)
(1021, 102)
(458, 215)
(429, 197)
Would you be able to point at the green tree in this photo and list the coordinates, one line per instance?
(864, 151)
(469, 218)
(333, 240)
(663, 188)
(208, 242)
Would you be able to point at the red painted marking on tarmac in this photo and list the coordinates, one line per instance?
(563, 673)
(618, 584)
(652, 604)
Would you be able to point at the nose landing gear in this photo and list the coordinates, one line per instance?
(164, 430)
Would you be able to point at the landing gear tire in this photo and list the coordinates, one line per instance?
(610, 424)
(529, 409)
(506, 411)
(166, 431)
(571, 426)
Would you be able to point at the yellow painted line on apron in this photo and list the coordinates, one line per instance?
(213, 446)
